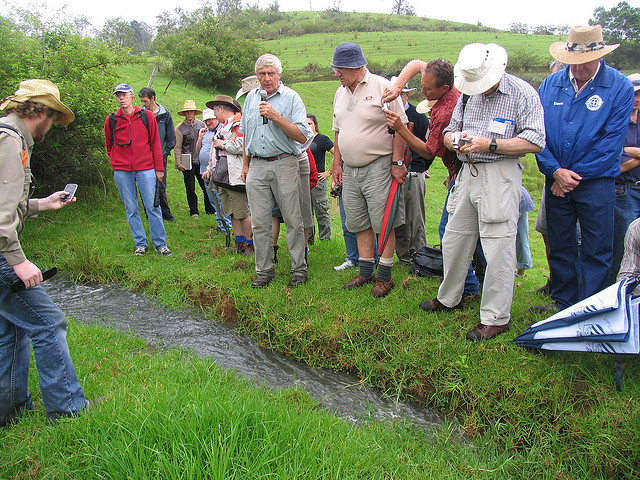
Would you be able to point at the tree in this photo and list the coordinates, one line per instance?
(118, 33)
(83, 70)
(207, 52)
(228, 8)
(403, 7)
(620, 25)
(518, 27)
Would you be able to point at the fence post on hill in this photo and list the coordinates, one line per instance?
(153, 76)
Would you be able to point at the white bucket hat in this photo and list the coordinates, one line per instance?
(207, 114)
(480, 66)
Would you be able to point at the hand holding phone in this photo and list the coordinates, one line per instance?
(18, 285)
(70, 188)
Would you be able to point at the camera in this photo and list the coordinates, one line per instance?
(336, 191)
(459, 141)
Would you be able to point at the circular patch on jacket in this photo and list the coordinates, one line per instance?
(594, 103)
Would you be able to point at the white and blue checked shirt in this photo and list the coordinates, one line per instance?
(515, 103)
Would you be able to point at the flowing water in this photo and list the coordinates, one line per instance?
(115, 307)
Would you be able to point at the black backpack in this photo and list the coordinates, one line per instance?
(112, 123)
(427, 262)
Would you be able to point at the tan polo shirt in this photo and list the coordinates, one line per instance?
(361, 123)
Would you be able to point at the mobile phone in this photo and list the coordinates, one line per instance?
(71, 188)
(18, 285)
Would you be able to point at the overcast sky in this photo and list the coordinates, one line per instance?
(493, 13)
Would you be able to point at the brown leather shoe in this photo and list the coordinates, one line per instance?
(249, 249)
(435, 306)
(359, 281)
(240, 246)
(382, 288)
(485, 332)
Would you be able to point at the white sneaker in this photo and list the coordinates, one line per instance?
(344, 266)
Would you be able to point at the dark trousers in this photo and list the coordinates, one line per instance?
(579, 273)
(164, 203)
(190, 177)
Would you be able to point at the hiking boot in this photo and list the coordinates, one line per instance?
(139, 251)
(546, 308)
(249, 249)
(435, 306)
(546, 288)
(382, 288)
(344, 266)
(163, 250)
(486, 332)
(240, 246)
(297, 280)
(359, 281)
(261, 282)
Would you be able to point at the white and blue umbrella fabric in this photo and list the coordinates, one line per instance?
(606, 322)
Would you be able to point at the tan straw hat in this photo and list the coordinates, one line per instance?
(584, 45)
(248, 84)
(189, 106)
(223, 100)
(43, 92)
(425, 106)
(479, 67)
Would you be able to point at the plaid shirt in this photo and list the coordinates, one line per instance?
(630, 266)
(515, 104)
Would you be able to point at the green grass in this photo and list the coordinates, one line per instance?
(386, 47)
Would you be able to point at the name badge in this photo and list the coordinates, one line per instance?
(499, 125)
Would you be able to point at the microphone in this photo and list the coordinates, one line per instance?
(263, 97)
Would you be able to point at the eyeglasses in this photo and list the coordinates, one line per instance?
(338, 70)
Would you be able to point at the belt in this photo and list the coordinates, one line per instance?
(628, 184)
(277, 157)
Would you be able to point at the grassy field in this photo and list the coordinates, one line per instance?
(386, 47)
(553, 416)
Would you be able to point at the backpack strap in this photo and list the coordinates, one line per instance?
(25, 156)
(112, 124)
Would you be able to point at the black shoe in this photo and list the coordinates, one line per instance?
(169, 218)
(261, 282)
(88, 405)
(298, 280)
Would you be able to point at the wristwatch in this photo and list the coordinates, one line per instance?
(494, 146)
(398, 163)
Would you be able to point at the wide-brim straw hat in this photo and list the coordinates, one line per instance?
(248, 84)
(480, 66)
(189, 106)
(425, 106)
(40, 91)
(585, 44)
(223, 100)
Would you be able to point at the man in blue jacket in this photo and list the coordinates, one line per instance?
(167, 140)
(586, 110)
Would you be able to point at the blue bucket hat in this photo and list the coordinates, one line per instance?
(348, 55)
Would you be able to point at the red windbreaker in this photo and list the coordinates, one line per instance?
(134, 147)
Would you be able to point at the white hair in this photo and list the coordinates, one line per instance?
(268, 60)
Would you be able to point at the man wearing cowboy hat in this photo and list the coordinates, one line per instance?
(30, 315)
(186, 139)
(586, 110)
(497, 120)
(135, 152)
(204, 150)
(372, 158)
(225, 170)
(274, 125)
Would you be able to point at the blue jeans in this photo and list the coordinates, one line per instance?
(146, 183)
(591, 202)
(471, 284)
(350, 238)
(523, 252)
(626, 210)
(32, 315)
(219, 213)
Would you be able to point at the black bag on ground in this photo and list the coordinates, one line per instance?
(427, 262)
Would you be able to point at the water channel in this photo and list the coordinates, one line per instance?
(115, 307)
